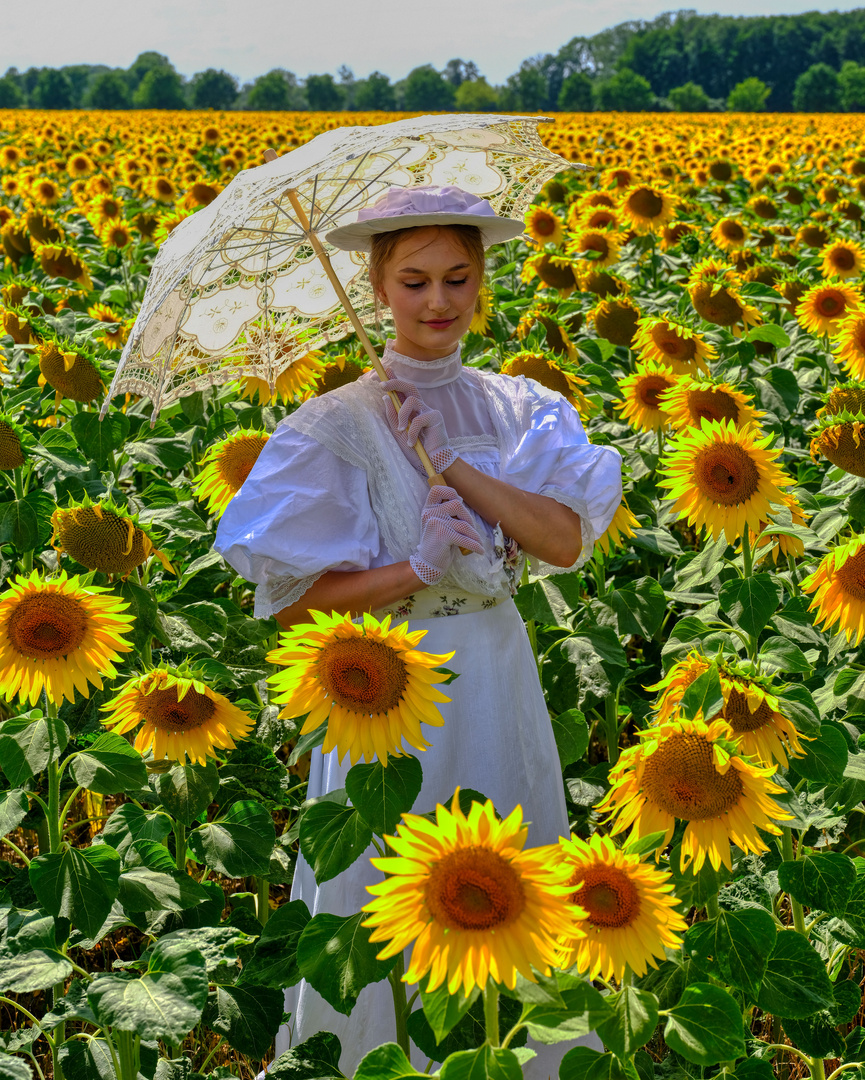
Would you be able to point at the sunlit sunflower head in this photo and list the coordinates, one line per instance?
(849, 344)
(371, 684)
(103, 536)
(846, 397)
(162, 189)
(480, 323)
(116, 327)
(545, 313)
(841, 439)
(838, 585)
(630, 915)
(15, 443)
(648, 209)
(842, 259)
(298, 378)
(104, 208)
(622, 527)
(60, 261)
(200, 193)
(70, 373)
(692, 400)
(60, 636)
(180, 716)
(616, 319)
(545, 369)
(714, 292)
(544, 225)
(600, 246)
(673, 234)
(226, 467)
(555, 271)
(673, 343)
(690, 770)
(641, 393)
(45, 191)
(824, 307)
(723, 477)
(80, 165)
(729, 234)
(763, 207)
(474, 901)
(115, 234)
(339, 371)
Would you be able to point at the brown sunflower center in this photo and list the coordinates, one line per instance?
(682, 779)
(11, 454)
(555, 272)
(47, 626)
(237, 459)
(608, 895)
(646, 203)
(162, 709)
(712, 405)
(362, 675)
(739, 716)
(830, 303)
(843, 445)
(104, 541)
(596, 243)
(732, 230)
(544, 224)
(851, 575)
(474, 889)
(669, 342)
(726, 473)
(843, 259)
(718, 307)
(331, 377)
(650, 388)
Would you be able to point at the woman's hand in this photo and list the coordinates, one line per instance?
(445, 526)
(413, 418)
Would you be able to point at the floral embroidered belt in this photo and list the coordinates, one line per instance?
(434, 604)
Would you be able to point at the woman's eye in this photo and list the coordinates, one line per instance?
(413, 284)
(462, 281)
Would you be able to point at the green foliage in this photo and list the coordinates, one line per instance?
(476, 95)
(626, 91)
(426, 88)
(212, 89)
(748, 96)
(576, 93)
(817, 90)
(690, 97)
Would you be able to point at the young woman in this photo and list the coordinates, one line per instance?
(337, 515)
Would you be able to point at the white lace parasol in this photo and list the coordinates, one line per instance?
(237, 288)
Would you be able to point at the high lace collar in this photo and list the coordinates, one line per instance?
(423, 372)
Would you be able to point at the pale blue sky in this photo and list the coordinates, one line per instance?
(249, 37)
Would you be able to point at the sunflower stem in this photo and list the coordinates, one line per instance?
(817, 1068)
(180, 846)
(54, 825)
(795, 906)
(611, 726)
(712, 909)
(491, 1012)
(791, 562)
(400, 1004)
(747, 558)
(262, 900)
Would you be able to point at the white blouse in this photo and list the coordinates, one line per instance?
(332, 491)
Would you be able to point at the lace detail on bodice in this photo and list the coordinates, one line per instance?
(423, 373)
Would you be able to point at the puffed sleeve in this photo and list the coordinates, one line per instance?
(301, 512)
(554, 457)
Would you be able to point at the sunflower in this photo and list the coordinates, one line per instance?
(763, 207)
(840, 437)
(813, 236)
(599, 217)
(713, 289)
(545, 314)
(71, 374)
(729, 234)
(45, 192)
(673, 235)
(641, 392)
(648, 209)
(549, 373)
(692, 400)
(115, 234)
(226, 467)
(630, 916)
(14, 443)
(693, 771)
(476, 904)
(750, 708)
(371, 683)
(601, 282)
(838, 585)
(340, 371)
(116, 328)
(844, 397)
(102, 536)
(58, 635)
(80, 165)
(544, 226)
(616, 319)
(843, 259)
(673, 343)
(555, 271)
(480, 323)
(42, 228)
(849, 344)
(297, 378)
(781, 543)
(723, 477)
(59, 261)
(161, 189)
(621, 527)
(200, 193)
(180, 716)
(601, 245)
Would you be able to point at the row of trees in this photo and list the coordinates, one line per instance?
(680, 60)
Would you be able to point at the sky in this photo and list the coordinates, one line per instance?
(249, 37)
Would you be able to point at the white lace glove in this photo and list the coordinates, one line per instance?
(413, 418)
(445, 526)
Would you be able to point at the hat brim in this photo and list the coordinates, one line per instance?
(357, 237)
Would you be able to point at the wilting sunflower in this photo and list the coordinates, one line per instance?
(630, 916)
(813, 236)
(723, 477)
(58, 635)
(180, 716)
(647, 208)
(340, 371)
(548, 372)
(841, 438)
(601, 245)
(846, 397)
(104, 537)
(71, 374)
(838, 585)
(693, 771)
(750, 708)
(843, 259)
(474, 902)
(641, 392)
(616, 319)
(544, 226)
(674, 344)
(297, 378)
(622, 526)
(557, 272)
(14, 443)
(226, 467)
(692, 400)
(60, 261)
(849, 344)
(729, 234)
(823, 307)
(714, 292)
(371, 684)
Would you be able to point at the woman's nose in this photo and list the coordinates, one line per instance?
(437, 297)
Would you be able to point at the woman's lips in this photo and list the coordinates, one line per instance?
(437, 324)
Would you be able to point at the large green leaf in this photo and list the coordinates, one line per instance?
(443, 1010)
(315, 1059)
(695, 889)
(635, 1016)
(336, 958)
(14, 1068)
(332, 837)
(581, 1010)
(14, 806)
(28, 743)
(109, 765)
(820, 881)
(485, 1063)
(131, 822)
(381, 794)
(750, 602)
(187, 790)
(640, 607)
(704, 695)
(735, 947)
(143, 889)
(26, 523)
(705, 1027)
(387, 1062)
(217, 944)
(78, 884)
(825, 757)
(238, 843)
(795, 983)
(274, 959)
(247, 1016)
(819, 1035)
(165, 1003)
(572, 736)
(29, 957)
(97, 438)
(583, 1063)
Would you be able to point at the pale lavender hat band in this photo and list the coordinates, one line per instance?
(401, 208)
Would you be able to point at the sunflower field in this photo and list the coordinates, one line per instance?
(698, 297)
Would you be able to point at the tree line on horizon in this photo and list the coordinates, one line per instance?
(679, 61)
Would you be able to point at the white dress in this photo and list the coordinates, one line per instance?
(332, 491)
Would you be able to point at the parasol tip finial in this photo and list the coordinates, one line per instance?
(270, 154)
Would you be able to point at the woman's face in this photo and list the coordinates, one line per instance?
(431, 287)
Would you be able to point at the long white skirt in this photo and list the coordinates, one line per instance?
(497, 738)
